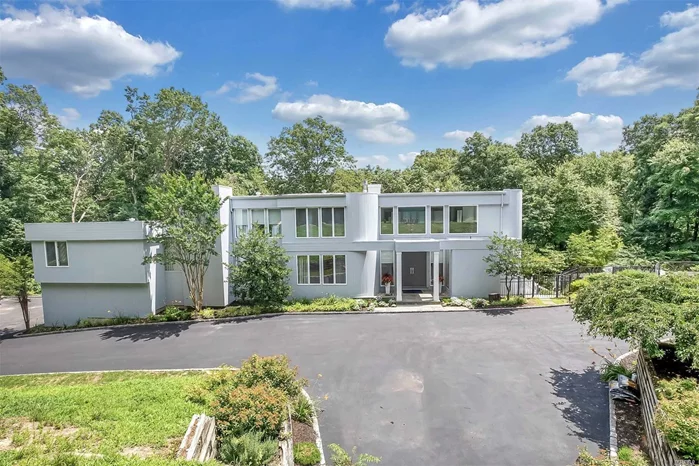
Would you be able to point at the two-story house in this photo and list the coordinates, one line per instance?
(339, 244)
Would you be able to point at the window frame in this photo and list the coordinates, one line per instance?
(320, 255)
(55, 250)
(443, 232)
(397, 229)
(448, 221)
(393, 220)
(319, 210)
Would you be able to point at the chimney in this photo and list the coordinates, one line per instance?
(365, 187)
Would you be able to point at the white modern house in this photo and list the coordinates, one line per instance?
(432, 244)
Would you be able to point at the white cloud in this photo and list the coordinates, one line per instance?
(249, 92)
(671, 62)
(596, 132)
(392, 8)
(312, 83)
(68, 116)
(461, 135)
(467, 32)
(408, 159)
(380, 160)
(79, 54)
(315, 4)
(371, 122)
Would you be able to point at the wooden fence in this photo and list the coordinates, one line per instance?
(660, 452)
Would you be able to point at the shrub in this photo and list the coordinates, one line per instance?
(341, 458)
(611, 371)
(513, 301)
(479, 303)
(241, 409)
(306, 454)
(626, 456)
(577, 285)
(250, 449)
(677, 415)
(302, 409)
(325, 304)
(273, 371)
(260, 274)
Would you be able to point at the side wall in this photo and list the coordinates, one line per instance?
(67, 303)
(468, 276)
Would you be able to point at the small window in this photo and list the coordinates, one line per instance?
(437, 222)
(241, 221)
(327, 213)
(328, 270)
(302, 269)
(314, 262)
(301, 230)
(340, 270)
(274, 222)
(463, 219)
(56, 254)
(411, 220)
(387, 220)
(258, 219)
(339, 221)
(313, 229)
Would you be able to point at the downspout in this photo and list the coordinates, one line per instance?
(502, 205)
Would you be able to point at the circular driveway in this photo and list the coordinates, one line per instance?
(466, 388)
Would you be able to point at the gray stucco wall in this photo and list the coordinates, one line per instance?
(468, 276)
(67, 303)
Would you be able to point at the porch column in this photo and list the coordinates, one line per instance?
(399, 276)
(435, 283)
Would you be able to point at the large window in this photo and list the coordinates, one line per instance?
(267, 220)
(56, 253)
(328, 222)
(411, 220)
(437, 220)
(386, 220)
(463, 219)
(274, 222)
(334, 269)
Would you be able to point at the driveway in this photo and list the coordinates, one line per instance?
(471, 388)
(11, 314)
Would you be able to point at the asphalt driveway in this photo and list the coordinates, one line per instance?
(472, 388)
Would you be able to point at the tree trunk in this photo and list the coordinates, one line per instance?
(508, 284)
(24, 304)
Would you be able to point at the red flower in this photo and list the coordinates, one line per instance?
(386, 279)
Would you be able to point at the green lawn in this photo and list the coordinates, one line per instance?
(47, 419)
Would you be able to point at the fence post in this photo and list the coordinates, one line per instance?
(558, 279)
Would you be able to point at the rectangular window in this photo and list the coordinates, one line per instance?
(328, 270)
(386, 220)
(258, 219)
(333, 272)
(56, 254)
(387, 264)
(241, 221)
(301, 229)
(274, 222)
(302, 269)
(327, 213)
(339, 221)
(313, 229)
(314, 262)
(463, 219)
(437, 221)
(411, 220)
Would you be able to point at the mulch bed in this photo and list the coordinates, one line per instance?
(302, 432)
(629, 425)
(669, 367)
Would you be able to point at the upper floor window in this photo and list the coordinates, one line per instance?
(463, 219)
(386, 220)
(411, 220)
(328, 222)
(267, 220)
(437, 220)
(56, 253)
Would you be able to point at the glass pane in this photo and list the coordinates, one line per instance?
(301, 223)
(313, 223)
(241, 216)
(302, 269)
(258, 217)
(327, 213)
(51, 254)
(437, 220)
(411, 220)
(340, 270)
(387, 257)
(387, 220)
(328, 275)
(274, 217)
(463, 219)
(387, 264)
(63, 254)
(339, 221)
(315, 269)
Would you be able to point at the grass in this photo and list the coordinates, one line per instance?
(100, 414)
(541, 302)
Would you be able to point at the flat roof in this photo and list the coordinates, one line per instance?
(427, 193)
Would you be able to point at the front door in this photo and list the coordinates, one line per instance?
(414, 270)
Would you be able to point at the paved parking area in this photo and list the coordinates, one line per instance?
(473, 388)
(11, 314)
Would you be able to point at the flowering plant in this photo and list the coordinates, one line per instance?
(386, 279)
(441, 279)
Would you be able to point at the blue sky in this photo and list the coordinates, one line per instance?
(397, 76)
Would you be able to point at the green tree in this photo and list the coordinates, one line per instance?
(504, 259)
(542, 262)
(260, 274)
(434, 170)
(184, 220)
(588, 250)
(489, 165)
(550, 146)
(305, 157)
(17, 279)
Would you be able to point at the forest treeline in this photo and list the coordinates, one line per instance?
(645, 194)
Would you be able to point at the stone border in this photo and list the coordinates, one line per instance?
(21, 334)
(613, 444)
(316, 427)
